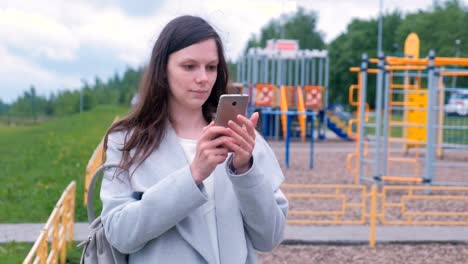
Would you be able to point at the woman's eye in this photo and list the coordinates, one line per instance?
(189, 67)
(212, 68)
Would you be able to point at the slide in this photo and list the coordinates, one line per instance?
(338, 123)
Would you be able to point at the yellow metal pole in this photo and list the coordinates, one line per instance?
(373, 216)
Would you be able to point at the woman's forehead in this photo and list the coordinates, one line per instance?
(204, 51)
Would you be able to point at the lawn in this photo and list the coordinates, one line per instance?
(14, 253)
(39, 161)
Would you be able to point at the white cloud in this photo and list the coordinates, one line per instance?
(37, 35)
(37, 32)
(112, 30)
(17, 74)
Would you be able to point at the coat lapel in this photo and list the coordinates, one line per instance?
(230, 228)
(193, 228)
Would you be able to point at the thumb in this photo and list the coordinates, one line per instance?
(254, 119)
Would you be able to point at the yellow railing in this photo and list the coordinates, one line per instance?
(57, 231)
(93, 164)
(373, 207)
(321, 192)
(96, 160)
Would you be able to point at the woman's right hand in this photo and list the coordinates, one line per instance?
(210, 151)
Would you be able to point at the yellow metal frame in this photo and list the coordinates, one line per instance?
(410, 195)
(96, 160)
(370, 200)
(331, 192)
(59, 228)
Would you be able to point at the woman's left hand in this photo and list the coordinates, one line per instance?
(243, 141)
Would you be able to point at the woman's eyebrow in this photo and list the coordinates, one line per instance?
(185, 60)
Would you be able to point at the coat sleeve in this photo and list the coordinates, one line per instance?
(129, 223)
(263, 206)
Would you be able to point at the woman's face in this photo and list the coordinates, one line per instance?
(192, 72)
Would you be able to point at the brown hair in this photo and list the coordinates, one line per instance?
(146, 124)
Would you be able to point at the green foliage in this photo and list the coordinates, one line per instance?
(116, 91)
(437, 27)
(38, 162)
(301, 25)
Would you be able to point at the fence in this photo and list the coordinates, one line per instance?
(57, 231)
(362, 205)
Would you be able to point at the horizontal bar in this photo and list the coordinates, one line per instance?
(409, 92)
(408, 108)
(453, 89)
(452, 146)
(408, 160)
(453, 127)
(403, 179)
(403, 86)
(455, 73)
(404, 124)
(409, 74)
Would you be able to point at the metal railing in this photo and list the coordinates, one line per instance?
(57, 232)
(391, 206)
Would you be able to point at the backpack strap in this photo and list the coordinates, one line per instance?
(91, 186)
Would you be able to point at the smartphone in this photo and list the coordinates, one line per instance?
(229, 106)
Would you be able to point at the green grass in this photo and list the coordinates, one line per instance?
(39, 161)
(14, 253)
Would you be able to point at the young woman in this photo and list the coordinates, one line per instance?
(189, 191)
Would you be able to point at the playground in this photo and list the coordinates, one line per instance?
(397, 159)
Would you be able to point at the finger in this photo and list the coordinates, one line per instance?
(248, 125)
(238, 150)
(241, 131)
(217, 156)
(254, 119)
(241, 141)
(218, 142)
(213, 132)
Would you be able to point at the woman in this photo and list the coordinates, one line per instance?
(200, 202)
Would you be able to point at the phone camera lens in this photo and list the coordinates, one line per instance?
(234, 103)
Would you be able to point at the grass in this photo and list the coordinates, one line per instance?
(39, 161)
(14, 252)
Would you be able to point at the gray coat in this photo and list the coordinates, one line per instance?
(167, 225)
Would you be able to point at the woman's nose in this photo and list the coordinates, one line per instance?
(202, 76)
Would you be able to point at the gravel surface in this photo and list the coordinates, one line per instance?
(382, 254)
(330, 168)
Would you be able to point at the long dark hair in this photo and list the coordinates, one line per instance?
(147, 123)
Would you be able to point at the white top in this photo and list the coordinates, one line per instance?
(190, 146)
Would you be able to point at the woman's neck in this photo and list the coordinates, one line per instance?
(188, 123)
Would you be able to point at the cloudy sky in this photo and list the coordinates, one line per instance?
(58, 44)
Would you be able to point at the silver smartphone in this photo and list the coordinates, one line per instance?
(229, 106)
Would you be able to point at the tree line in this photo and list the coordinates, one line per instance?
(438, 27)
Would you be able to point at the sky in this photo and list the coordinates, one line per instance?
(56, 45)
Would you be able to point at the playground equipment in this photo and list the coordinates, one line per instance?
(412, 117)
(283, 77)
